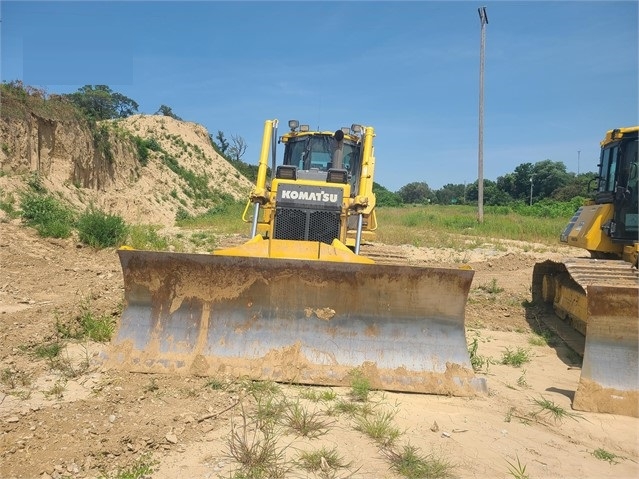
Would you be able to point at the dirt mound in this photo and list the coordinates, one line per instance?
(145, 168)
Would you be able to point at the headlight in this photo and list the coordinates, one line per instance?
(335, 175)
(286, 172)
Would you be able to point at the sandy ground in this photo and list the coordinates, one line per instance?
(74, 418)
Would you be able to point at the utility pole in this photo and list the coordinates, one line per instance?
(578, 155)
(531, 188)
(483, 18)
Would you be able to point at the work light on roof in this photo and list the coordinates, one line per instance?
(293, 124)
(357, 129)
(305, 128)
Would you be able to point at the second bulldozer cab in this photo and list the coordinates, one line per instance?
(322, 188)
(608, 227)
(617, 183)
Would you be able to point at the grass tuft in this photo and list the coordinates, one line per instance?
(257, 451)
(379, 427)
(323, 462)
(515, 358)
(409, 462)
(556, 412)
(305, 423)
(518, 471)
(360, 386)
(604, 455)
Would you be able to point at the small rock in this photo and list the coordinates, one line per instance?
(445, 434)
(434, 427)
(171, 438)
(13, 419)
(112, 418)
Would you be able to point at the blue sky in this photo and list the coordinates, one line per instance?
(557, 74)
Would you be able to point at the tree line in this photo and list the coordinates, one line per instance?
(528, 183)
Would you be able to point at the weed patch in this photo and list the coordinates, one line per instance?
(379, 427)
(323, 462)
(554, 411)
(360, 386)
(304, 422)
(101, 230)
(515, 358)
(47, 215)
(518, 471)
(604, 455)
(409, 462)
(142, 468)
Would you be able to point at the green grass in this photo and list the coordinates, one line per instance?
(305, 422)
(48, 350)
(515, 358)
(101, 230)
(411, 463)
(379, 427)
(544, 338)
(224, 218)
(491, 287)
(360, 386)
(323, 462)
(452, 226)
(604, 455)
(549, 408)
(256, 450)
(87, 325)
(318, 395)
(146, 237)
(8, 204)
(47, 215)
(143, 467)
(477, 361)
(518, 471)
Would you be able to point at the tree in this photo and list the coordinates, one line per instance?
(385, 197)
(416, 192)
(548, 176)
(451, 194)
(577, 186)
(167, 111)
(222, 144)
(99, 102)
(238, 148)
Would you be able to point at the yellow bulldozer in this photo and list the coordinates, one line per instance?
(298, 302)
(599, 295)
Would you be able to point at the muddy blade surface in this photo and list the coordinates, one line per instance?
(610, 372)
(306, 322)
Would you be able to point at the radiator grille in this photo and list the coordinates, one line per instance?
(309, 225)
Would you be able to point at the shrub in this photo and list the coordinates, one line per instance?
(50, 217)
(101, 230)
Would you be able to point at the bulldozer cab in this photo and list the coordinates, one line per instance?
(617, 183)
(315, 154)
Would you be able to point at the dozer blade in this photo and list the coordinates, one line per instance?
(307, 322)
(600, 299)
(610, 372)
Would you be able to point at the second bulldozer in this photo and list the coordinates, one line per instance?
(298, 302)
(599, 295)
